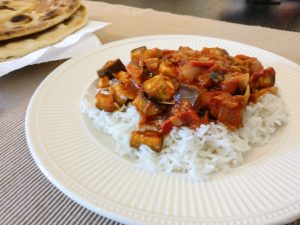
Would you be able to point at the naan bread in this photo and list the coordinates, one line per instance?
(22, 17)
(21, 46)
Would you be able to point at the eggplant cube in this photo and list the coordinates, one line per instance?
(145, 106)
(190, 93)
(110, 68)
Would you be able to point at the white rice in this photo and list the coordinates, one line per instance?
(211, 148)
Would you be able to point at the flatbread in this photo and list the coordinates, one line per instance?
(21, 46)
(22, 17)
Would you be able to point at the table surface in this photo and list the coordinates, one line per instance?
(26, 196)
(284, 16)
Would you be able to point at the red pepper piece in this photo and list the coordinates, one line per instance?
(186, 118)
(207, 64)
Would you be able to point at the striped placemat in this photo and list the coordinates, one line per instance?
(26, 196)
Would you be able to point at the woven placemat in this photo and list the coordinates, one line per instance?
(26, 196)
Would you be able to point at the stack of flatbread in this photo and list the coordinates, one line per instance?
(28, 25)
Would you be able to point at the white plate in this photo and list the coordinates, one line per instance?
(81, 163)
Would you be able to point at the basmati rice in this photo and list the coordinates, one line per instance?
(201, 152)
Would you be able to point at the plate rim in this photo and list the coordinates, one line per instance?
(75, 196)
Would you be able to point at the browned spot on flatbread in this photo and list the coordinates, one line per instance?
(6, 7)
(51, 14)
(15, 29)
(7, 32)
(21, 19)
(71, 7)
